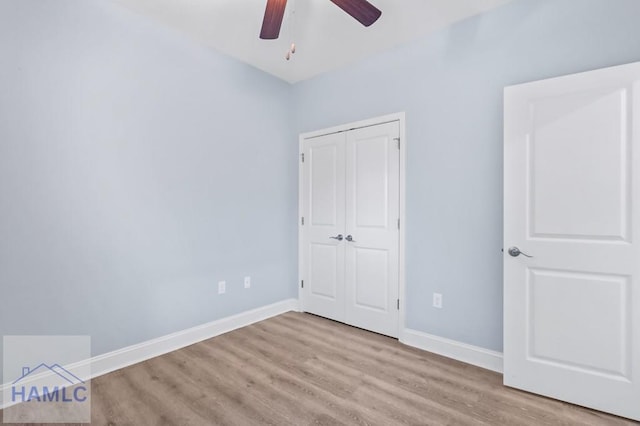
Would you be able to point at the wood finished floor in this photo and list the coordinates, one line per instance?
(299, 369)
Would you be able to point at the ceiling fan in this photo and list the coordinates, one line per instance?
(363, 11)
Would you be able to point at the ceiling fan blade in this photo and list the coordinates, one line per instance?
(272, 21)
(361, 10)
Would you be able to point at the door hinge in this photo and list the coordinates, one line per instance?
(302, 221)
(397, 141)
(398, 304)
(398, 223)
(302, 157)
(302, 284)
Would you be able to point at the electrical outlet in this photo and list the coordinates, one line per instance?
(437, 300)
(247, 282)
(222, 287)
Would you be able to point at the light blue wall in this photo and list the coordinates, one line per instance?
(136, 170)
(450, 85)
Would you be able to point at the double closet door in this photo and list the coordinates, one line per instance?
(350, 239)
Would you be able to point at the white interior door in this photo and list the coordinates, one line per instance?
(572, 176)
(350, 244)
(324, 227)
(373, 202)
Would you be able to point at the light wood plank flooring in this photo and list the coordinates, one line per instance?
(299, 369)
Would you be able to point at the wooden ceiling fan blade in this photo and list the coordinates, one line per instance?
(363, 11)
(272, 21)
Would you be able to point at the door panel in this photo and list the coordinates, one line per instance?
(371, 180)
(587, 197)
(323, 266)
(572, 311)
(598, 318)
(323, 180)
(373, 203)
(371, 282)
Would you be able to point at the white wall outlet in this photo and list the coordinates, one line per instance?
(222, 287)
(437, 300)
(247, 282)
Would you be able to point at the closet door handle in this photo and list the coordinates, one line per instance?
(339, 237)
(350, 239)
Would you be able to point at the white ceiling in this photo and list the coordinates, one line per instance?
(325, 36)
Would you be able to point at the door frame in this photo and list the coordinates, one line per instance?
(400, 117)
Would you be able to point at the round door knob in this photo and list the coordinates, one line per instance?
(350, 239)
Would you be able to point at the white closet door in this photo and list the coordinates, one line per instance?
(572, 202)
(351, 198)
(372, 240)
(323, 245)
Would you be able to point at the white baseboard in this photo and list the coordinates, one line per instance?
(469, 354)
(121, 358)
(103, 364)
